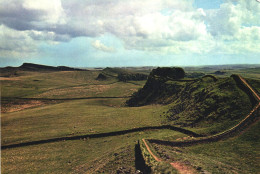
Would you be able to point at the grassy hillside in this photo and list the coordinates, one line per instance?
(72, 118)
(255, 84)
(68, 84)
(238, 154)
(100, 155)
(194, 102)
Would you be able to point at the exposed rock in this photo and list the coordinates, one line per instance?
(101, 76)
(155, 89)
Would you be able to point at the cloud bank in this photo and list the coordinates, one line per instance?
(175, 27)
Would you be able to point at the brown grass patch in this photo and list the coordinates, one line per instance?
(183, 168)
(9, 78)
(76, 91)
(14, 106)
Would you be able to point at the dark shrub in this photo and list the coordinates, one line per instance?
(131, 77)
(174, 73)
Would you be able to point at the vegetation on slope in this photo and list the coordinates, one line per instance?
(255, 84)
(156, 89)
(131, 77)
(234, 155)
(121, 74)
(207, 99)
(117, 154)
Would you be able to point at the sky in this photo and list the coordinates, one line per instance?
(102, 33)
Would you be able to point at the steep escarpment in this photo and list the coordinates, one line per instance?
(191, 101)
(159, 87)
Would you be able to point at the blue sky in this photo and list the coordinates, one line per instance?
(205, 4)
(105, 33)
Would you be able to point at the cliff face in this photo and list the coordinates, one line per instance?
(156, 89)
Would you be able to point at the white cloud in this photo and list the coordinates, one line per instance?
(16, 44)
(249, 34)
(235, 27)
(229, 18)
(152, 25)
(100, 46)
(22, 44)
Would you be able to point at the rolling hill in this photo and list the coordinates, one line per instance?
(73, 122)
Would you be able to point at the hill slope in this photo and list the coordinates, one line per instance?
(193, 101)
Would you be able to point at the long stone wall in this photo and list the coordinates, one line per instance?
(250, 118)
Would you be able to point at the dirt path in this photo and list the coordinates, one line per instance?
(149, 150)
(179, 166)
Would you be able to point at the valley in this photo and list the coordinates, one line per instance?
(65, 120)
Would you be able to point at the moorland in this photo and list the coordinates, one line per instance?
(130, 119)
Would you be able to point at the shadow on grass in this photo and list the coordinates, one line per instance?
(139, 160)
(116, 133)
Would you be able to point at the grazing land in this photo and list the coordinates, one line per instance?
(67, 120)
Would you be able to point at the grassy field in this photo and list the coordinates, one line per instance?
(79, 156)
(32, 120)
(71, 118)
(54, 84)
(235, 155)
(245, 71)
(78, 117)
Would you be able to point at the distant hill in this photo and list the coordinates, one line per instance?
(221, 67)
(13, 71)
(37, 67)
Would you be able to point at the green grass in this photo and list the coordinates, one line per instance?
(62, 84)
(67, 85)
(239, 154)
(255, 84)
(253, 73)
(75, 118)
(81, 117)
(156, 166)
(196, 103)
(79, 156)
